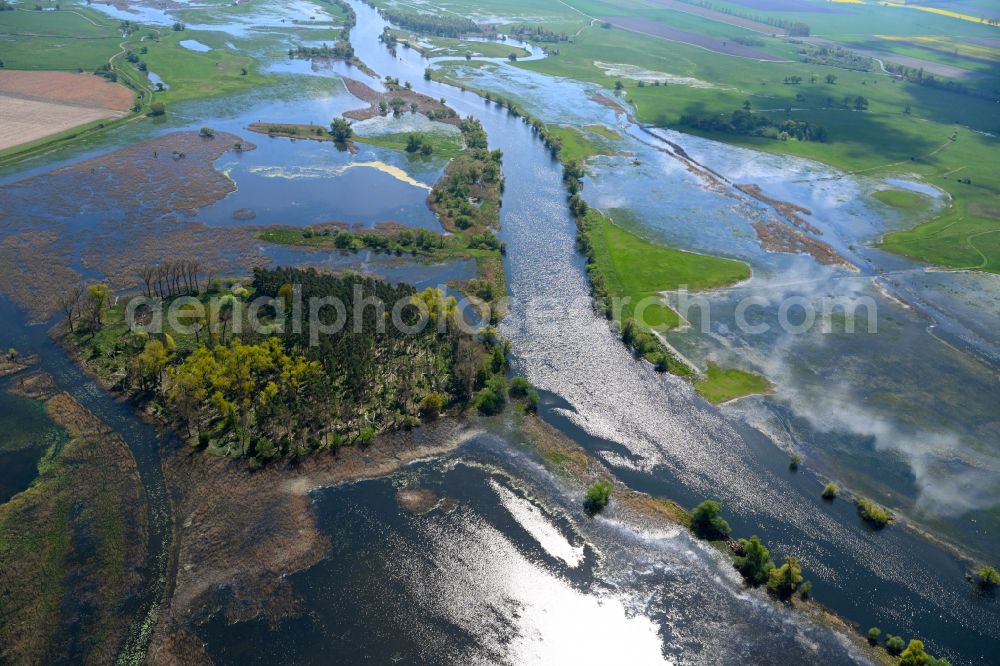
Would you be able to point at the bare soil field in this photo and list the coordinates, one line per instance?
(715, 44)
(721, 17)
(34, 105)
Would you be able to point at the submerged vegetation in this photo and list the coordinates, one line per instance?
(875, 515)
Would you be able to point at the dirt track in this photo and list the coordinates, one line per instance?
(37, 104)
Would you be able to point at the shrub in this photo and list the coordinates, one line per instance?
(206, 132)
(598, 496)
(988, 576)
(157, 109)
(874, 514)
(794, 461)
(707, 521)
(873, 635)
(431, 405)
(805, 589)
(830, 491)
(519, 387)
(531, 406)
(491, 400)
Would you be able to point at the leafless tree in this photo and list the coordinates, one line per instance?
(147, 273)
(69, 303)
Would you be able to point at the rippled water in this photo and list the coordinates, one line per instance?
(508, 570)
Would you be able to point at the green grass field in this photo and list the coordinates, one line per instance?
(576, 145)
(445, 145)
(902, 199)
(637, 269)
(194, 75)
(70, 39)
(722, 385)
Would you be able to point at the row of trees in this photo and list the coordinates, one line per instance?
(341, 50)
(442, 25)
(837, 57)
(538, 34)
(744, 122)
(173, 277)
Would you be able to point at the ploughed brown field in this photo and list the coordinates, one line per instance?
(34, 105)
(716, 44)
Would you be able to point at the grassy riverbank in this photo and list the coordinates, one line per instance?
(639, 270)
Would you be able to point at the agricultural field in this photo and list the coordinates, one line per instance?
(35, 105)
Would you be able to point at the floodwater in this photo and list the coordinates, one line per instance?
(26, 432)
(903, 415)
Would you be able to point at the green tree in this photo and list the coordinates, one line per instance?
(150, 364)
(755, 563)
(157, 109)
(341, 130)
(873, 635)
(707, 521)
(894, 644)
(206, 132)
(95, 303)
(784, 580)
(598, 496)
(914, 654)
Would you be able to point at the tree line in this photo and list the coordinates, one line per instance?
(744, 122)
(442, 25)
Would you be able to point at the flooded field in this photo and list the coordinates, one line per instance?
(506, 568)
